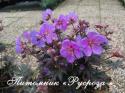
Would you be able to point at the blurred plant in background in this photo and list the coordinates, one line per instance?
(1, 25)
(50, 3)
(9, 69)
(44, 4)
(123, 2)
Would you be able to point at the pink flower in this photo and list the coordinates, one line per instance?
(36, 39)
(46, 15)
(47, 31)
(93, 43)
(70, 50)
(72, 18)
(61, 22)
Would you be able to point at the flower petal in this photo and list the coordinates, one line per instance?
(54, 36)
(97, 49)
(78, 39)
(33, 36)
(87, 51)
(46, 14)
(66, 43)
(48, 39)
(70, 58)
(41, 43)
(63, 52)
(19, 49)
(78, 53)
(91, 32)
(77, 50)
(84, 42)
(101, 39)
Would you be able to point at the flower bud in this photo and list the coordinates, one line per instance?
(56, 58)
(51, 51)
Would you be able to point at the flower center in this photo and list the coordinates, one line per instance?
(47, 32)
(90, 42)
(48, 17)
(70, 49)
(60, 22)
(72, 19)
(39, 37)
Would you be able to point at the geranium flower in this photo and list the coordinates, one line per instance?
(19, 45)
(36, 39)
(48, 32)
(72, 18)
(70, 50)
(93, 43)
(61, 22)
(46, 15)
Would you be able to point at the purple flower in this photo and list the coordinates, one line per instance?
(72, 18)
(61, 22)
(78, 39)
(19, 46)
(36, 39)
(46, 15)
(93, 43)
(47, 31)
(70, 50)
(26, 36)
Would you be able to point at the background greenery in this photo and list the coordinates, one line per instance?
(123, 2)
(50, 3)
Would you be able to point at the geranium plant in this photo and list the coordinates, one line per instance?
(66, 46)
